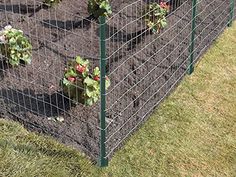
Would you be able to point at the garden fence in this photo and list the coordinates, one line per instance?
(143, 67)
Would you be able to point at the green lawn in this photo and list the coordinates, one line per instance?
(193, 133)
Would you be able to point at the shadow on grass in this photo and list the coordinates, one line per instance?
(30, 149)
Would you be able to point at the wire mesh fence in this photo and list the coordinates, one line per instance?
(143, 64)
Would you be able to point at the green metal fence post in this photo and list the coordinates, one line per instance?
(103, 161)
(232, 2)
(191, 58)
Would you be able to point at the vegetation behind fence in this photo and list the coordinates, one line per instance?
(91, 72)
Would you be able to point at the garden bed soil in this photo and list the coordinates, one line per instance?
(32, 95)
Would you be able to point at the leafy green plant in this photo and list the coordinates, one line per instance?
(99, 8)
(15, 46)
(81, 85)
(51, 3)
(155, 16)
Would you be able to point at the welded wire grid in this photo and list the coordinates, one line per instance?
(143, 67)
(31, 93)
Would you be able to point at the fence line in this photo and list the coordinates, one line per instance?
(94, 79)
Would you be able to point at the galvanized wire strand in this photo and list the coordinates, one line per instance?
(33, 98)
(140, 18)
(41, 100)
(165, 70)
(25, 107)
(127, 42)
(92, 156)
(42, 22)
(218, 34)
(26, 80)
(45, 41)
(49, 41)
(67, 11)
(7, 99)
(110, 107)
(45, 72)
(117, 144)
(146, 46)
(14, 70)
(150, 85)
(151, 109)
(136, 20)
(114, 15)
(154, 82)
(165, 32)
(35, 69)
(154, 39)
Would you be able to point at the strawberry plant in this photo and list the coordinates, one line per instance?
(15, 46)
(79, 84)
(51, 3)
(99, 8)
(155, 16)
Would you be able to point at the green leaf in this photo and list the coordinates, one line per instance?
(89, 82)
(12, 41)
(163, 23)
(71, 73)
(99, 8)
(17, 47)
(155, 17)
(81, 61)
(14, 62)
(90, 92)
(89, 102)
(96, 71)
(95, 99)
(108, 83)
(66, 82)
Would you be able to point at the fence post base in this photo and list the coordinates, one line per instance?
(103, 162)
(190, 70)
(191, 57)
(231, 13)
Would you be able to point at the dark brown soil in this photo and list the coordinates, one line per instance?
(141, 75)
